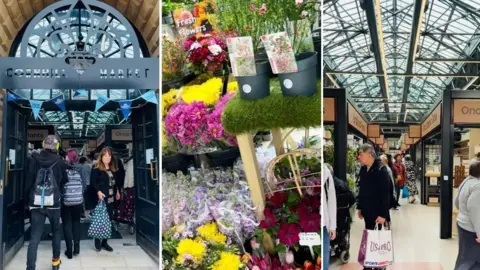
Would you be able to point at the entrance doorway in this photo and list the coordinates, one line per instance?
(72, 47)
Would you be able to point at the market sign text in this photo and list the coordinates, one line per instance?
(356, 120)
(432, 121)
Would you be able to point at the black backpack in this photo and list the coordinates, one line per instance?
(45, 191)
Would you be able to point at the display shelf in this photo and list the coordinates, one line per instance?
(274, 111)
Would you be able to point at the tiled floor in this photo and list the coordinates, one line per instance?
(122, 258)
(416, 238)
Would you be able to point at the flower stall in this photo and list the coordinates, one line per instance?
(234, 71)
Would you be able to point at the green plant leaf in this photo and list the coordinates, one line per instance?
(280, 248)
(293, 218)
(317, 250)
(293, 198)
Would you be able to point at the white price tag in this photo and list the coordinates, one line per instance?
(309, 239)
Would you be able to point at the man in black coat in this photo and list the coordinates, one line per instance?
(373, 202)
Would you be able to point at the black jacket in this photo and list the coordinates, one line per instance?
(374, 192)
(99, 180)
(44, 159)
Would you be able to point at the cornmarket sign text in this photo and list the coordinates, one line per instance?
(54, 73)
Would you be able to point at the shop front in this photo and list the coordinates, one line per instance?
(91, 48)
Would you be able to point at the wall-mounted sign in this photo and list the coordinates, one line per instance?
(432, 121)
(466, 111)
(329, 110)
(416, 140)
(36, 135)
(48, 73)
(101, 139)
(415, 131)
(92, 143)
(374, 131)
(380, 140)
(407, 140)
(65, 144)
(356, 120)
(124, 134)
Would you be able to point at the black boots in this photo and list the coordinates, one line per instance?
(99, 244)
(76, 249)
(68, 253)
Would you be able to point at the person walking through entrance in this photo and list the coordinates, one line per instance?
(373, 203)
(468, 220)
(107, 181)
(411, 179)
(46, 176)
(399, 168)
(72, 207)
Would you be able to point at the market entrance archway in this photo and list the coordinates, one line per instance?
(72, 45)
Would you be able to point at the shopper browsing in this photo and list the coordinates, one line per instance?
(468, 220)
(399, 167)
(46, 176)
(411, 179)
(329, 205)
(374, 194)
(107, 181)
(387, 164)
(73, 207)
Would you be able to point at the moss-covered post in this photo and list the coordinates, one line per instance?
(252, 172)
(277, 140)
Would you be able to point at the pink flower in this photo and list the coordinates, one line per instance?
(269, 219)
(263, 9)
(289, 257)
(288, 234)
(310, 223)
(252, 7)
(298, 2)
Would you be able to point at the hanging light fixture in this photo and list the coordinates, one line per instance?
(79, 58)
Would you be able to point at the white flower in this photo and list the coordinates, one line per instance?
(304, 14)
(298, 2)
(195, 45)
(215, 49)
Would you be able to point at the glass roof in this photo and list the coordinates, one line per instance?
(80, 123)
(450, 31)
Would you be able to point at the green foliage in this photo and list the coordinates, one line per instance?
(275, 111)
(168, 7)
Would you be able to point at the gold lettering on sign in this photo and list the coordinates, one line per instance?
(356, 120)
(466, 111)
(432, 121)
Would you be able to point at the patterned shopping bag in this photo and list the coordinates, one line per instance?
(101, 226)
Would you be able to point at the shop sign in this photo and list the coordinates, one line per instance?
(124, 134)
(329, 110)
(101, 139)
(374, 131)
(36, 135)
(65, 144)
(380, 140)
(432, 121)
(92, 143)
(407, 140)
(356, 120)
(200, 20)
(49, 73)
(415, 131)
(466, 111)
(416, 140)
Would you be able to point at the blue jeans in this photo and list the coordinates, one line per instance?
(325, 248)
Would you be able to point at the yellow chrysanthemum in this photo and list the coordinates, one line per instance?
(210, 233)
(228, 261)
(232, 87)
(208, 92)
(168, 99)
(190, 250)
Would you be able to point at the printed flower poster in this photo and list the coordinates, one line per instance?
(280, 53)
(241, 56)
(303, 40)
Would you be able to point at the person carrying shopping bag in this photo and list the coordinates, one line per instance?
(107, 181)
(373, 202)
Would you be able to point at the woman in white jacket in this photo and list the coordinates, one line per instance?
(329, 215)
